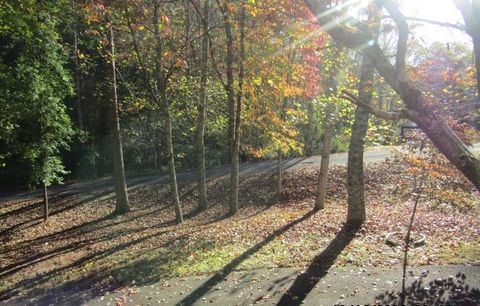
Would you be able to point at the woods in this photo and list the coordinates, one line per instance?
(189, 117)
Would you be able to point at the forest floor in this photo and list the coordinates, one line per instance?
(82, 248)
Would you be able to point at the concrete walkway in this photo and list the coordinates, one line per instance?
(430, 285)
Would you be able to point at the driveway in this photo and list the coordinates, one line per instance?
(249, 168)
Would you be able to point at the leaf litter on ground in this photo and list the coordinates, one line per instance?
(82, 245)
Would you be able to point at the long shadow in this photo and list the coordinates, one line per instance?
(55, 211)
(220, 275)
(20, 265)
(269, 166)
(300, 159)
(36, 280)
(81, 229)
(306, 281)
(21, 210)
(23, 264)
(38, 204)
(449, 291)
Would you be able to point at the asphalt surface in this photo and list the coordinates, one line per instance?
(430, 285)
(246, 169)
(250, 168)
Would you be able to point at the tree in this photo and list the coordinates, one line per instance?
(200, 141)
(282, 76)
(161, 85)
(470, 10)
(329, 126)
(166, 60)
(234, 93)
(355, 183)
(34, 123)
(415, 102)
(121, 203)
(103, 16)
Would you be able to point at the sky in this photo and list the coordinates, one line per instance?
(435, 10)
(438, 10)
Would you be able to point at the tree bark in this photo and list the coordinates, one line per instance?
(234, 107)
(325, 157)
(470, 11)
(121, 197)
(162, 89)
(238, 114)
(433, 126)
(356, 213)
(279, 173)
(330, 117)
(201, 116)
(45, 202)
(77, 75)
(309, 130)
(355, 184)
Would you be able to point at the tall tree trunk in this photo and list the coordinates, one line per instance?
(235, 175)
(471, 16)
(45, 202)
(356, 213)
(234, 178)
(279, 152)
(330, 118)
(475, 33)
(355, 183)
(309, 130)
(279, 174)
(121, 203)
(162, 89)
(415, 102)
(200, 143)
(171, 169)
(325, 158)
(476, 51)
(77, 75)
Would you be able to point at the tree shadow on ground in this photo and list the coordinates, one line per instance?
(229, 268)
(58, 205)
(84, 284)
(448, 291)
(306, 281)
(88, 285)
(71, 247)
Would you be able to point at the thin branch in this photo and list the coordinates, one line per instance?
(127, 86)
(403, 114)
(210, 47)
(136, 49)
(459, 27)
(403, 32)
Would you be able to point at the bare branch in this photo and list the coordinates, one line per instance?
(136, 48)
(212, 54)
(403, 32)
(379, 113)
(465, 8)
(459, 27)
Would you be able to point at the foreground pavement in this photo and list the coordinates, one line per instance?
(429, 285)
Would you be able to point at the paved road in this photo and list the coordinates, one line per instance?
(105, 184)
(428, 285)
